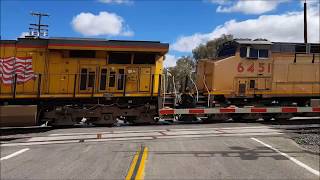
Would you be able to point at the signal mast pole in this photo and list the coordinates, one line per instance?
(39, 29)
(305, 22)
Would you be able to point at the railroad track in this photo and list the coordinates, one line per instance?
(302, 124)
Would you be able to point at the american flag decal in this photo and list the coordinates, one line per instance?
(22, 66)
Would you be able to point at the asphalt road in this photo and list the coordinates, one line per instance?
(205, 151)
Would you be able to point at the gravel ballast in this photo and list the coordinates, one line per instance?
(309, 139)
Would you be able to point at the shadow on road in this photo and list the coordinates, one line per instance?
(243, 153)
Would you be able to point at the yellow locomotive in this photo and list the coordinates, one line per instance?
(260, 72)
(252, 79)
(72, 78)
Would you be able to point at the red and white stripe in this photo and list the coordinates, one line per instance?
(21, 66)
(169, 111)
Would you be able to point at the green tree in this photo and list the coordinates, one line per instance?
(210, 49)
(184, 67)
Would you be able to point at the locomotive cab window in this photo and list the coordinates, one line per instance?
(315, 49)
(302, 49)
(144, 58)
(263, 53)
(82, 54)
(83, 79)
(119, 58)
(254, 53)
(252, 84)
(120, 79)
(227, 51)
(243, 52)
(112, 79)
(103, 79)
(87, 79)
(91, 79)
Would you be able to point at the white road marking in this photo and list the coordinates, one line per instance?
(156, 130)
(14, 154)
(108, 132)
(36, 143)
(73, 141)
(66, 138)
(119, 139)
(148, 134)
(236, 131)
(223, 128)
(217, 135)
(245, 128)
(61, 138)
(313, 171)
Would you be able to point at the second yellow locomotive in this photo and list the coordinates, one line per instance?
(260, 72)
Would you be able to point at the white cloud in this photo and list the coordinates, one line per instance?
(23, 34)
(287, 27)
(170, 61)
(221, 2)
(104, 23)
(247, 6)
(116, 1)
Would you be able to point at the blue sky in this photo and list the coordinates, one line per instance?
(183, 24)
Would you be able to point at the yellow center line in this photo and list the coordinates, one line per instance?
(140, 173)
(133, 165)
(136, 170)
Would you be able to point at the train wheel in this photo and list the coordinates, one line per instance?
(283, 117)
(187, 118)
(237, 118)
(267, 117)
(216, 118)
(144, 118)
(63, 121)
(105, 120)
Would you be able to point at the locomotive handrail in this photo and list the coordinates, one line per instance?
(175, 90)
(174, 86)
(164, 91)
(195, 87)
(205, 85)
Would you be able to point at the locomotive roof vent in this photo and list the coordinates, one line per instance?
(77, 38)
(255, 42)
(30, 37)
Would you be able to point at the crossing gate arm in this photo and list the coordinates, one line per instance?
(244, 110)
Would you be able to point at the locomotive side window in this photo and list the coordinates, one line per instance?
(91, 80)
(120, 79)
(120, 58)
(263, 53)
(144, 58)
(252, 84)
(301, 48)
(103, 79)
(82, 54)
(315, 49)
(227, 50)
(242, 89)
(112, 79)
(253, 53)
(83, 79)
(243, 52)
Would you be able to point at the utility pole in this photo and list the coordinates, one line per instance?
(39, 30)
(305, 23)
